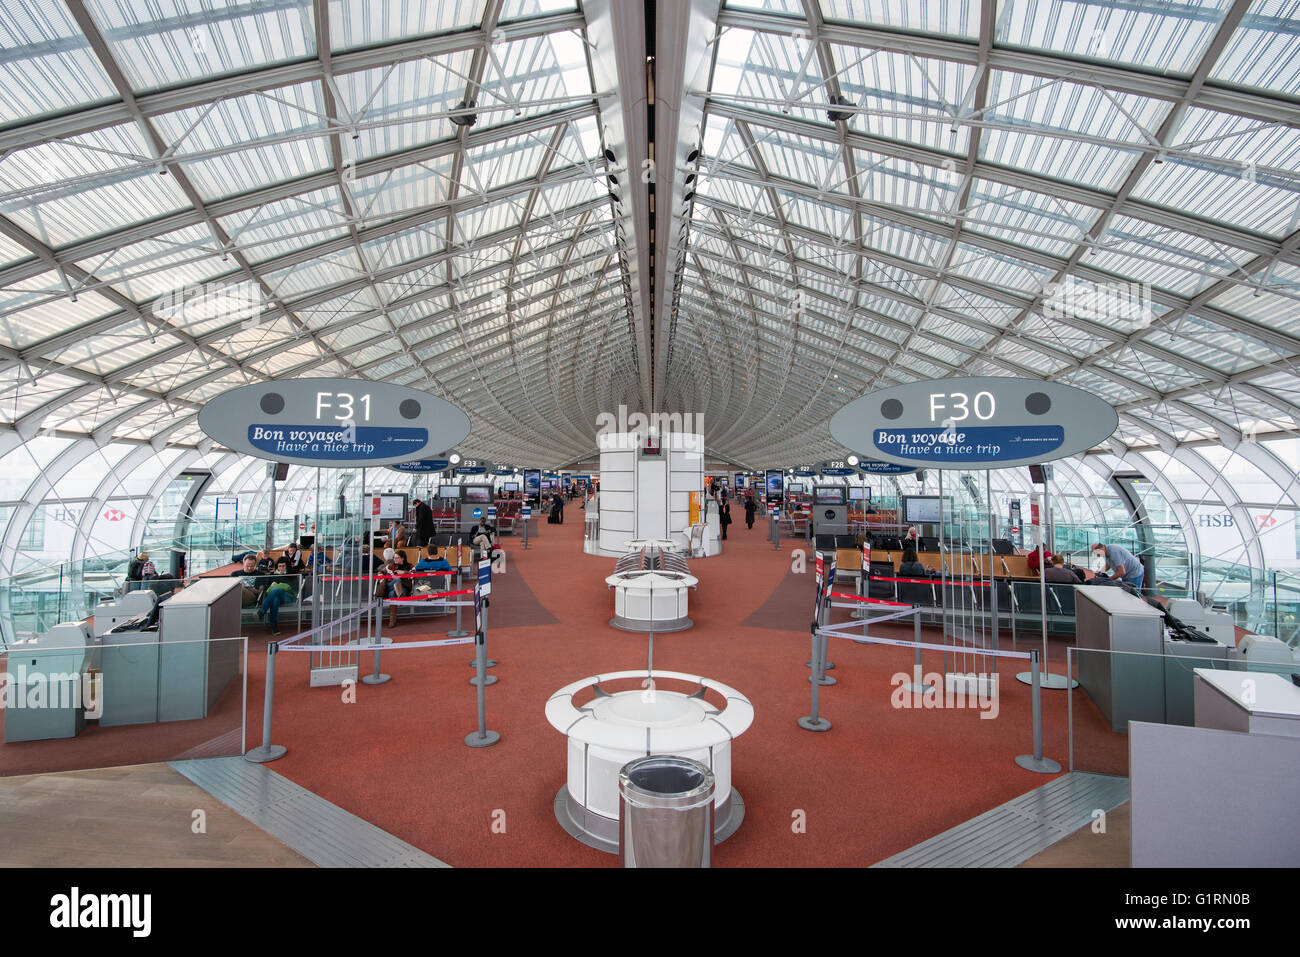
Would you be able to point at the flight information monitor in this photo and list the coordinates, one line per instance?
(511, 486)
(829, 495)
(859, 493)
(477, 494)
(448, 491)
(922, 509)
(795, 488)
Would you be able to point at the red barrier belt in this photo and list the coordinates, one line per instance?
(929, 581)
(873, 601)
(366, 578)
(431, 595)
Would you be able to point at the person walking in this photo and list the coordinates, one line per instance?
(724, 517)
(750, 508)
(424, 528)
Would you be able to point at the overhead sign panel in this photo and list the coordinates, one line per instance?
(423, 465)
(873, 467)
(974, 422)
(333, 422)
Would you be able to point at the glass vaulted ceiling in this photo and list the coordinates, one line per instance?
(1101, 193)
(199, 194)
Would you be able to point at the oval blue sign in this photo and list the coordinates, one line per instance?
(332, 422)
(872, 467)
(423, 465)
(975, 422)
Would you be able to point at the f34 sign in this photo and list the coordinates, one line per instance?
(333, 422)
(974, 423)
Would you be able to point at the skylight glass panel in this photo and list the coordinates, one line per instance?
(70, 189)
(21, 394)
(916, 187)
(146, 269)
(1064, 130)
(114, 349)
(528, 9)
(366, 23)
(46, 66)
(1274, 301)
(952, 17)
(397, 107)
(331, 270)
(287, 227)
(1264, 50)
(997, 269)
(166, 42)
(1170, 36)
(402, 190)
(1229, 169)
(907, 98)
(1167, 259)
(35, 312)
(1028, 218)
(241, 143)
(771, 73)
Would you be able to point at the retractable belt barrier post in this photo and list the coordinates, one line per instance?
(375, 677)
(458, 631)
(525, 512)
(815, 722)
(482, 738)
(483, 588)
(267, 751)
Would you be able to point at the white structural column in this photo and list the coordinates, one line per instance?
(647, 496)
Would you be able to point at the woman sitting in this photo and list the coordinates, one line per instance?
(910, 567)
(387, 585)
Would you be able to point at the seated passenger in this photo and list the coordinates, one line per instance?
(281, 590)
(432, 561)
(1058, 572)
(264, 562)
(293, 559)
(910, 567)
(387, 582)
(252, 581)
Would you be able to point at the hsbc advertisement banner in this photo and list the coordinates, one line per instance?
(1222, 538)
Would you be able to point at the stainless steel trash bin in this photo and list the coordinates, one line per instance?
(665, 812)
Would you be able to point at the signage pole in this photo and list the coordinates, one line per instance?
(993, 582)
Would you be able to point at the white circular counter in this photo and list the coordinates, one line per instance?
(651, 600)
(614, 729)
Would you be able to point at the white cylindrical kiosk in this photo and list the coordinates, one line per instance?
(614, 728)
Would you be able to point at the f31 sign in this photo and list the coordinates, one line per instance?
(333, 422)
(974, 422)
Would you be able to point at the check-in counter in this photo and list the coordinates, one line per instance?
(193, 667)
(47, 678)
(1124, 687)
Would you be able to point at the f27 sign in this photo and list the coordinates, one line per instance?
(974, 423)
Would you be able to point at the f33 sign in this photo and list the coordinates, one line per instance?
(974, 422)
(333, 422)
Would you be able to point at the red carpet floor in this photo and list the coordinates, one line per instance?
(881, 780)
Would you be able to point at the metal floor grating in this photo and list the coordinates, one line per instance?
(322, 832)
(1012, 833)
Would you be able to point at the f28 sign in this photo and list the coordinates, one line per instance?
(974, 423)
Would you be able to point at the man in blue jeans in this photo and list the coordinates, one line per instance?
(1121, 563)
(279, 592)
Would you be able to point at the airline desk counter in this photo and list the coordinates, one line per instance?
(1257, 702)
